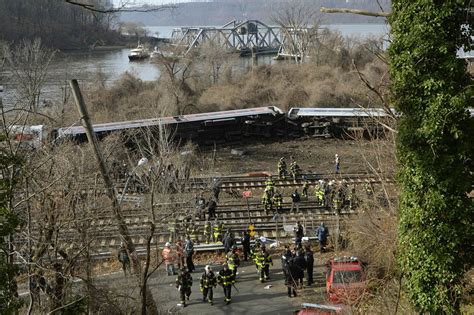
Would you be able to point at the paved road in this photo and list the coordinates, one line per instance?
(252, 298)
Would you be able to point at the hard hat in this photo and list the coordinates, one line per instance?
(207, 268)
(167, 244)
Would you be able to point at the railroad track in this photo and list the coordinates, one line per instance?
(245, 182)
(233, 213)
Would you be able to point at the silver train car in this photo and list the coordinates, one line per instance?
(215, 127)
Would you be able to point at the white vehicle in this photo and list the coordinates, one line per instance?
(30, 137)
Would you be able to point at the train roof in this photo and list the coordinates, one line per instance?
(337, 112)
(173, 120)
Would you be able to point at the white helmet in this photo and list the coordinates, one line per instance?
(167, 244)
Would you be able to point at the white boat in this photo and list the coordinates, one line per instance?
(138, 53)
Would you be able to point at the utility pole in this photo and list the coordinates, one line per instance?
(110, 187)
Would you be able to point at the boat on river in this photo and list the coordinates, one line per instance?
(138, 53)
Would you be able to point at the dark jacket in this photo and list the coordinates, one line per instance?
(309, 257)
(299, 231)
(322, 233)
(208, 280)
(285, 259)
(300, 263)
(246, 240)
(184, 280)
(228, 243)
(295, 197)
(292, 273)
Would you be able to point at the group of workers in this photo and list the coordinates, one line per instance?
(295, 264)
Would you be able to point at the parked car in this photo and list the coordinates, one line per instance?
(345, 279)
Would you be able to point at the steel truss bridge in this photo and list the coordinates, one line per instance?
(244, 37)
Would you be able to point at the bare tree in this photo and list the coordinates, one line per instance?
(28, 64)
(299, 23)
(177, 70)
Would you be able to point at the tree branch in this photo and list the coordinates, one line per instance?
(93, 8)
(355, 11)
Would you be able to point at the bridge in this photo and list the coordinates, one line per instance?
(244, 37)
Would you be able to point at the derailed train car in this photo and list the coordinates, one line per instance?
(339, 122)
(206, 128)
(233, 125)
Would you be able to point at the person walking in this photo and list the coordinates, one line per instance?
(124, 259)
(263, 261)
(184, 281)
(295, 201)
(337, 163)
(277, 200)
(309, 257)
(299, 234)
(233, 260)
(168, 257)
(245, 240)
(216, 231)
(189, 252)
(226, 279)
(282, 168)
(322, 235)
(207, 283)
(305, 188)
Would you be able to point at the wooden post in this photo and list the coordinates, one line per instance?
(110, 188)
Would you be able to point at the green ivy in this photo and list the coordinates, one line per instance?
(432, 89)
(9, 302)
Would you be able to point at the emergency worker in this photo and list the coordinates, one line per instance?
(267, 201)
(207, 232)
(277, 200)
(226, 279)
(183, 284)
(233, 260)
(282, 168)
(263, 262)
(207, 283)
(270, 186)
(295, 170)
(216, 231)
(305, 189)
(319, 193)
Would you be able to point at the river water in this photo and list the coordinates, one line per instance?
(111, 64)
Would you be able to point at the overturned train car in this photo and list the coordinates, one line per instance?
(203, 128)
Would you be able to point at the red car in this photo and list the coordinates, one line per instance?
(345, 279)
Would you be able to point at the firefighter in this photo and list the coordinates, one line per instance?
(270, 186)
(233, 260)
(277, 200)
(267, 201)
(207, 283)
(282, 168)
(337, 199)
(295, 170)
(216, 229)
(207, 231)
(254, 252)
(183, 284)
(319, 193)
(226, 279)
(305, 188)
(368, 189)
(263, 261)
